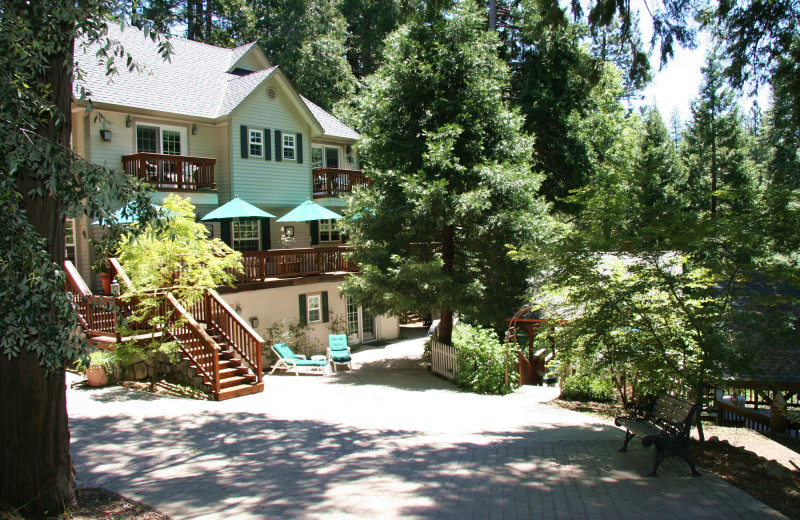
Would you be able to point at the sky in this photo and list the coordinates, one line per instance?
(678, 82)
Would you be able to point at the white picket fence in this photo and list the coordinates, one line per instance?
(444, 359)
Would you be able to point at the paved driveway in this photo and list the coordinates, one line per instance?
(388, 440)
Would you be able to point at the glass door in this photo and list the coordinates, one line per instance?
(361, 327)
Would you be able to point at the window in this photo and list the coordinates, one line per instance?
(169, 140)
(316, 157)
(328, 231)
(69, 241)
(147, 139)
(331, 157)
(256, 143)
(246, 235)
(288, 147)
(314, 308)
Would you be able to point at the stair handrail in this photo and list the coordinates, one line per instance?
(75, 280)
(209, 346)
(121, 275)
(241, 336)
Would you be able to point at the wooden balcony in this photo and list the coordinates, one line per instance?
(333, 182)
(171, 172)
(287, 263)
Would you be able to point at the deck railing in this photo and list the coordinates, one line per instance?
(98, 315)
(729, 415)
(281, 263)
(333, 182)
(164, 172)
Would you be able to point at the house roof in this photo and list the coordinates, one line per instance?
(195, 82)
(331, 126)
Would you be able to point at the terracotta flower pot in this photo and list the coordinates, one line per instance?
(96, 376)
(105, 278)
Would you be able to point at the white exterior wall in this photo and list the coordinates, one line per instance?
(274, 304)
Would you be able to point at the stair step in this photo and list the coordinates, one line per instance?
(235, 380)
(240, 390)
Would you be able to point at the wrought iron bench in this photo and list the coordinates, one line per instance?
(666, 425)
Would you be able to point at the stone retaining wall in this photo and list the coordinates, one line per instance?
(172, 372)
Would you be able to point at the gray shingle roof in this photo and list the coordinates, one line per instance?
(194, 83)
(331, 126)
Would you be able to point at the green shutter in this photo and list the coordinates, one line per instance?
(278, 146)
(303, 312)
(225, 232)
(325, 306)
(244, 140)
(267, 147)
(299, 144)
(314, 232)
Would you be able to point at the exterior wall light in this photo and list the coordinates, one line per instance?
(128, 121)
(194, 128)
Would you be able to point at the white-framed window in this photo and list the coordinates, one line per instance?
(316, 157)
(328, 231)
(170, 140)
(288, 147)
(256, 143)
(246, 235)
(314, 307)
(70, 248)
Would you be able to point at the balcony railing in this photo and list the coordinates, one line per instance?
(283, 263)
(165, 172)
(332, 182)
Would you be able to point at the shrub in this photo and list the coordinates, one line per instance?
(586, 388)
(482, 361)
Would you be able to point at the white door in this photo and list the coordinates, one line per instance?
(361, 326)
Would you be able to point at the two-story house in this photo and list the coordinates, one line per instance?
(212, 124)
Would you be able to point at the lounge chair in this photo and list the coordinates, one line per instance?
(288, 360)
(338, 351)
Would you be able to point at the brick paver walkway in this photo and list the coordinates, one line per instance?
(388, 440)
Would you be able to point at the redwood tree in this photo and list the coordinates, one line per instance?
(451, 182)
(42, 183)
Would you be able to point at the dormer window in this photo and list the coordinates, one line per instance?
(238, 71)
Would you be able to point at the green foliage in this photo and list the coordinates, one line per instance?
(482, 360)
(177, 258)
(587, 388)
(301, 340)
(338, 324)
(41, 181)
(451, 182)
(306, 38)
(296, 335)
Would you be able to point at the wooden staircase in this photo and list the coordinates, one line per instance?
(235, 379)
(216, 342)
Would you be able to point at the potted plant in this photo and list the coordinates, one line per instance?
(102, 252)
(101, 364)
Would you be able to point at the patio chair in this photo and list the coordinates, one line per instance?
(338, 351)
(288, 360)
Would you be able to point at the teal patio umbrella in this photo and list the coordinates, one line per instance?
(128, 215)
(309, 210)
(236, 209)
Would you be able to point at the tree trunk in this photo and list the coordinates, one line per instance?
(36, 472)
